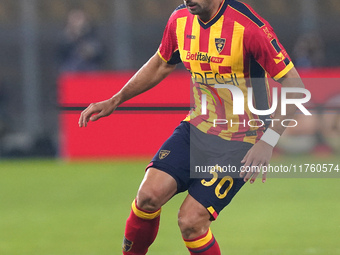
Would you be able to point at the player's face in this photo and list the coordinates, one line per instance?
(203, 8)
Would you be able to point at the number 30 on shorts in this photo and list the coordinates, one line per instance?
(219, 185)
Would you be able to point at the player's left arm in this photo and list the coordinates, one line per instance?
(260, 154)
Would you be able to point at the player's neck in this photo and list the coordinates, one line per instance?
(208, 15)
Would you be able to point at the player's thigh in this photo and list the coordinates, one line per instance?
(216, 189)
(173, 157)
(156, 189)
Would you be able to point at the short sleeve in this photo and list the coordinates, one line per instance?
(269, 53)
(168, 49)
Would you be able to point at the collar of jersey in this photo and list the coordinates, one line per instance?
(216, 17)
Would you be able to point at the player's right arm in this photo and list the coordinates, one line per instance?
(152, 73)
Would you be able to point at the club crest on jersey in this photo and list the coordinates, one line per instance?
(127, 245)
(220, 43)
(163, 154)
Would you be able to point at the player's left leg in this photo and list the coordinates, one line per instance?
(194, 222)
(209, 191)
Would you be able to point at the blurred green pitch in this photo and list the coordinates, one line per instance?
(80, 208)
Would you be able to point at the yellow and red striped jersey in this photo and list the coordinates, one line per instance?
(236, 47)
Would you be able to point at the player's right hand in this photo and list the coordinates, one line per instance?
(103, 109)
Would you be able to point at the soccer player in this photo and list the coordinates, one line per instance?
(220, 42)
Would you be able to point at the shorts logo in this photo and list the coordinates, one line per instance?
(163, 154)
(127, 245)
(219, 43)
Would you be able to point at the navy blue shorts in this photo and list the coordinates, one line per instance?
(188, 150)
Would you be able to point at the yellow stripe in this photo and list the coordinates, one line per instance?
(200, 242)
(211, 210)
(226, 135)
(181, 22)
(284, 71)
(144, 215)
(268, 89)
(250, 139)
(187, 118)
(159, 53)
(237, 50)
(204, 126)
(195, 45)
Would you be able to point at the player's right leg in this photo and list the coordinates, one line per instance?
(142, 225)
(167, 175)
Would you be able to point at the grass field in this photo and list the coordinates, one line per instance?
(56, 208)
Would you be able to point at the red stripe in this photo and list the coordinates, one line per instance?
(188, 33)
(204, 43)
(205, 67)
(215, 214)
(150, 165)
(187, 65)
(224, 69)
(216, 130)
(197, 238)
(227, 33)
(197, 120)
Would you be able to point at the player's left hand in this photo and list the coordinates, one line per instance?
(257, 157)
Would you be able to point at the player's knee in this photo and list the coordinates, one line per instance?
(191, 225)
(149, 200)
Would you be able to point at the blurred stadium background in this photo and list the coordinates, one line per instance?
(62, 194)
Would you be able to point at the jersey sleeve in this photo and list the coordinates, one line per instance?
(168, 49)
(269, 53)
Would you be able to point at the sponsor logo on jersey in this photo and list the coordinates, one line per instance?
(191, 37)
(203, 57)
(163, 154)
(211, 78)
(127, 245)
(219, 43)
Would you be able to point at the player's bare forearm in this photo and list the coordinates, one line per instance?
(152, 73)
(292, 80)
(260, 154)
